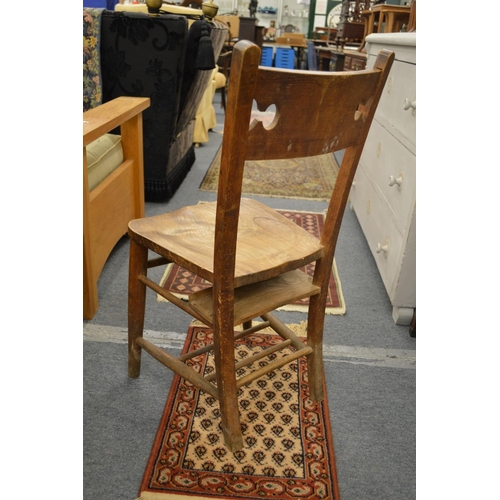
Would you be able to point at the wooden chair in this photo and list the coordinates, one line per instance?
(119, 197)
(249, 252)
(224, 63)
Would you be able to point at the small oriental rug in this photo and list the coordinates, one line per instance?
(302, 178)
(182, 282)
(288, 451)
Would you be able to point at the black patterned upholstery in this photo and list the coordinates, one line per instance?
(156, 57)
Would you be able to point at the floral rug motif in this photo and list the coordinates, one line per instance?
(288, 446)
(301, 178)
(182, 282)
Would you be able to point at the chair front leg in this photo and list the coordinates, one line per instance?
(90, 295)
(138, 265)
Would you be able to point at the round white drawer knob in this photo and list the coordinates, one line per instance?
(393, 180)
(410, 104)
(383, 248)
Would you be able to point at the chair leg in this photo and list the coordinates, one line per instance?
(315, 371)
(231, 425)
(90, 295)
(223, 98)
(226, 386)
(136, 305)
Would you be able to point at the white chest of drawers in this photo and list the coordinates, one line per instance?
(383, 194)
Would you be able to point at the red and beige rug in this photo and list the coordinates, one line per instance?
(182, 282)
(301, 178)
(288, 452)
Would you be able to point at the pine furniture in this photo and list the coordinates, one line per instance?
(385, 19)
(119, 197)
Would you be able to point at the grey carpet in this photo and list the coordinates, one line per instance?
(370, 369)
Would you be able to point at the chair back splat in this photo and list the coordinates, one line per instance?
(250, 253)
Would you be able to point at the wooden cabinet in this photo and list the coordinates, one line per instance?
(384, 189)
(354, 60)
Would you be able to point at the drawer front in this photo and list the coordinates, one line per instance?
(406, 51)
(397, 104)
(392, 168)
(379, 227)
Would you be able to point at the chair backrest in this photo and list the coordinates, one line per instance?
(316, 113)
(233, 23)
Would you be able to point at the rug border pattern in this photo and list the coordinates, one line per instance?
(149, 493)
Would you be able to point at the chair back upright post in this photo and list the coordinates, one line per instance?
(224, 63)
(233, 154)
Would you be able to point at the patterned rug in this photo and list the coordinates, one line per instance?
(302, 178)
(182, 282)
(288, 450)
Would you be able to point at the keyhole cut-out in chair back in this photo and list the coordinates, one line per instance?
(250, 253)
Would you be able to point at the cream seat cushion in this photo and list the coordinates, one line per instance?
(104, 155)
(205, 118)
(220, 80)
(205, 115)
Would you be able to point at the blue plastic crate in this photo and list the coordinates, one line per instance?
(285, 58)
(266, 56)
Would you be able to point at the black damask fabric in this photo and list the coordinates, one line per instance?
(197, 30)
(144, 56)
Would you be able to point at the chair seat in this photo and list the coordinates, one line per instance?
(104, 156)
(268, 243)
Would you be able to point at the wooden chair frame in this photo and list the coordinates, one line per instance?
(251, 254)
(119, 198)
(224, 63)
